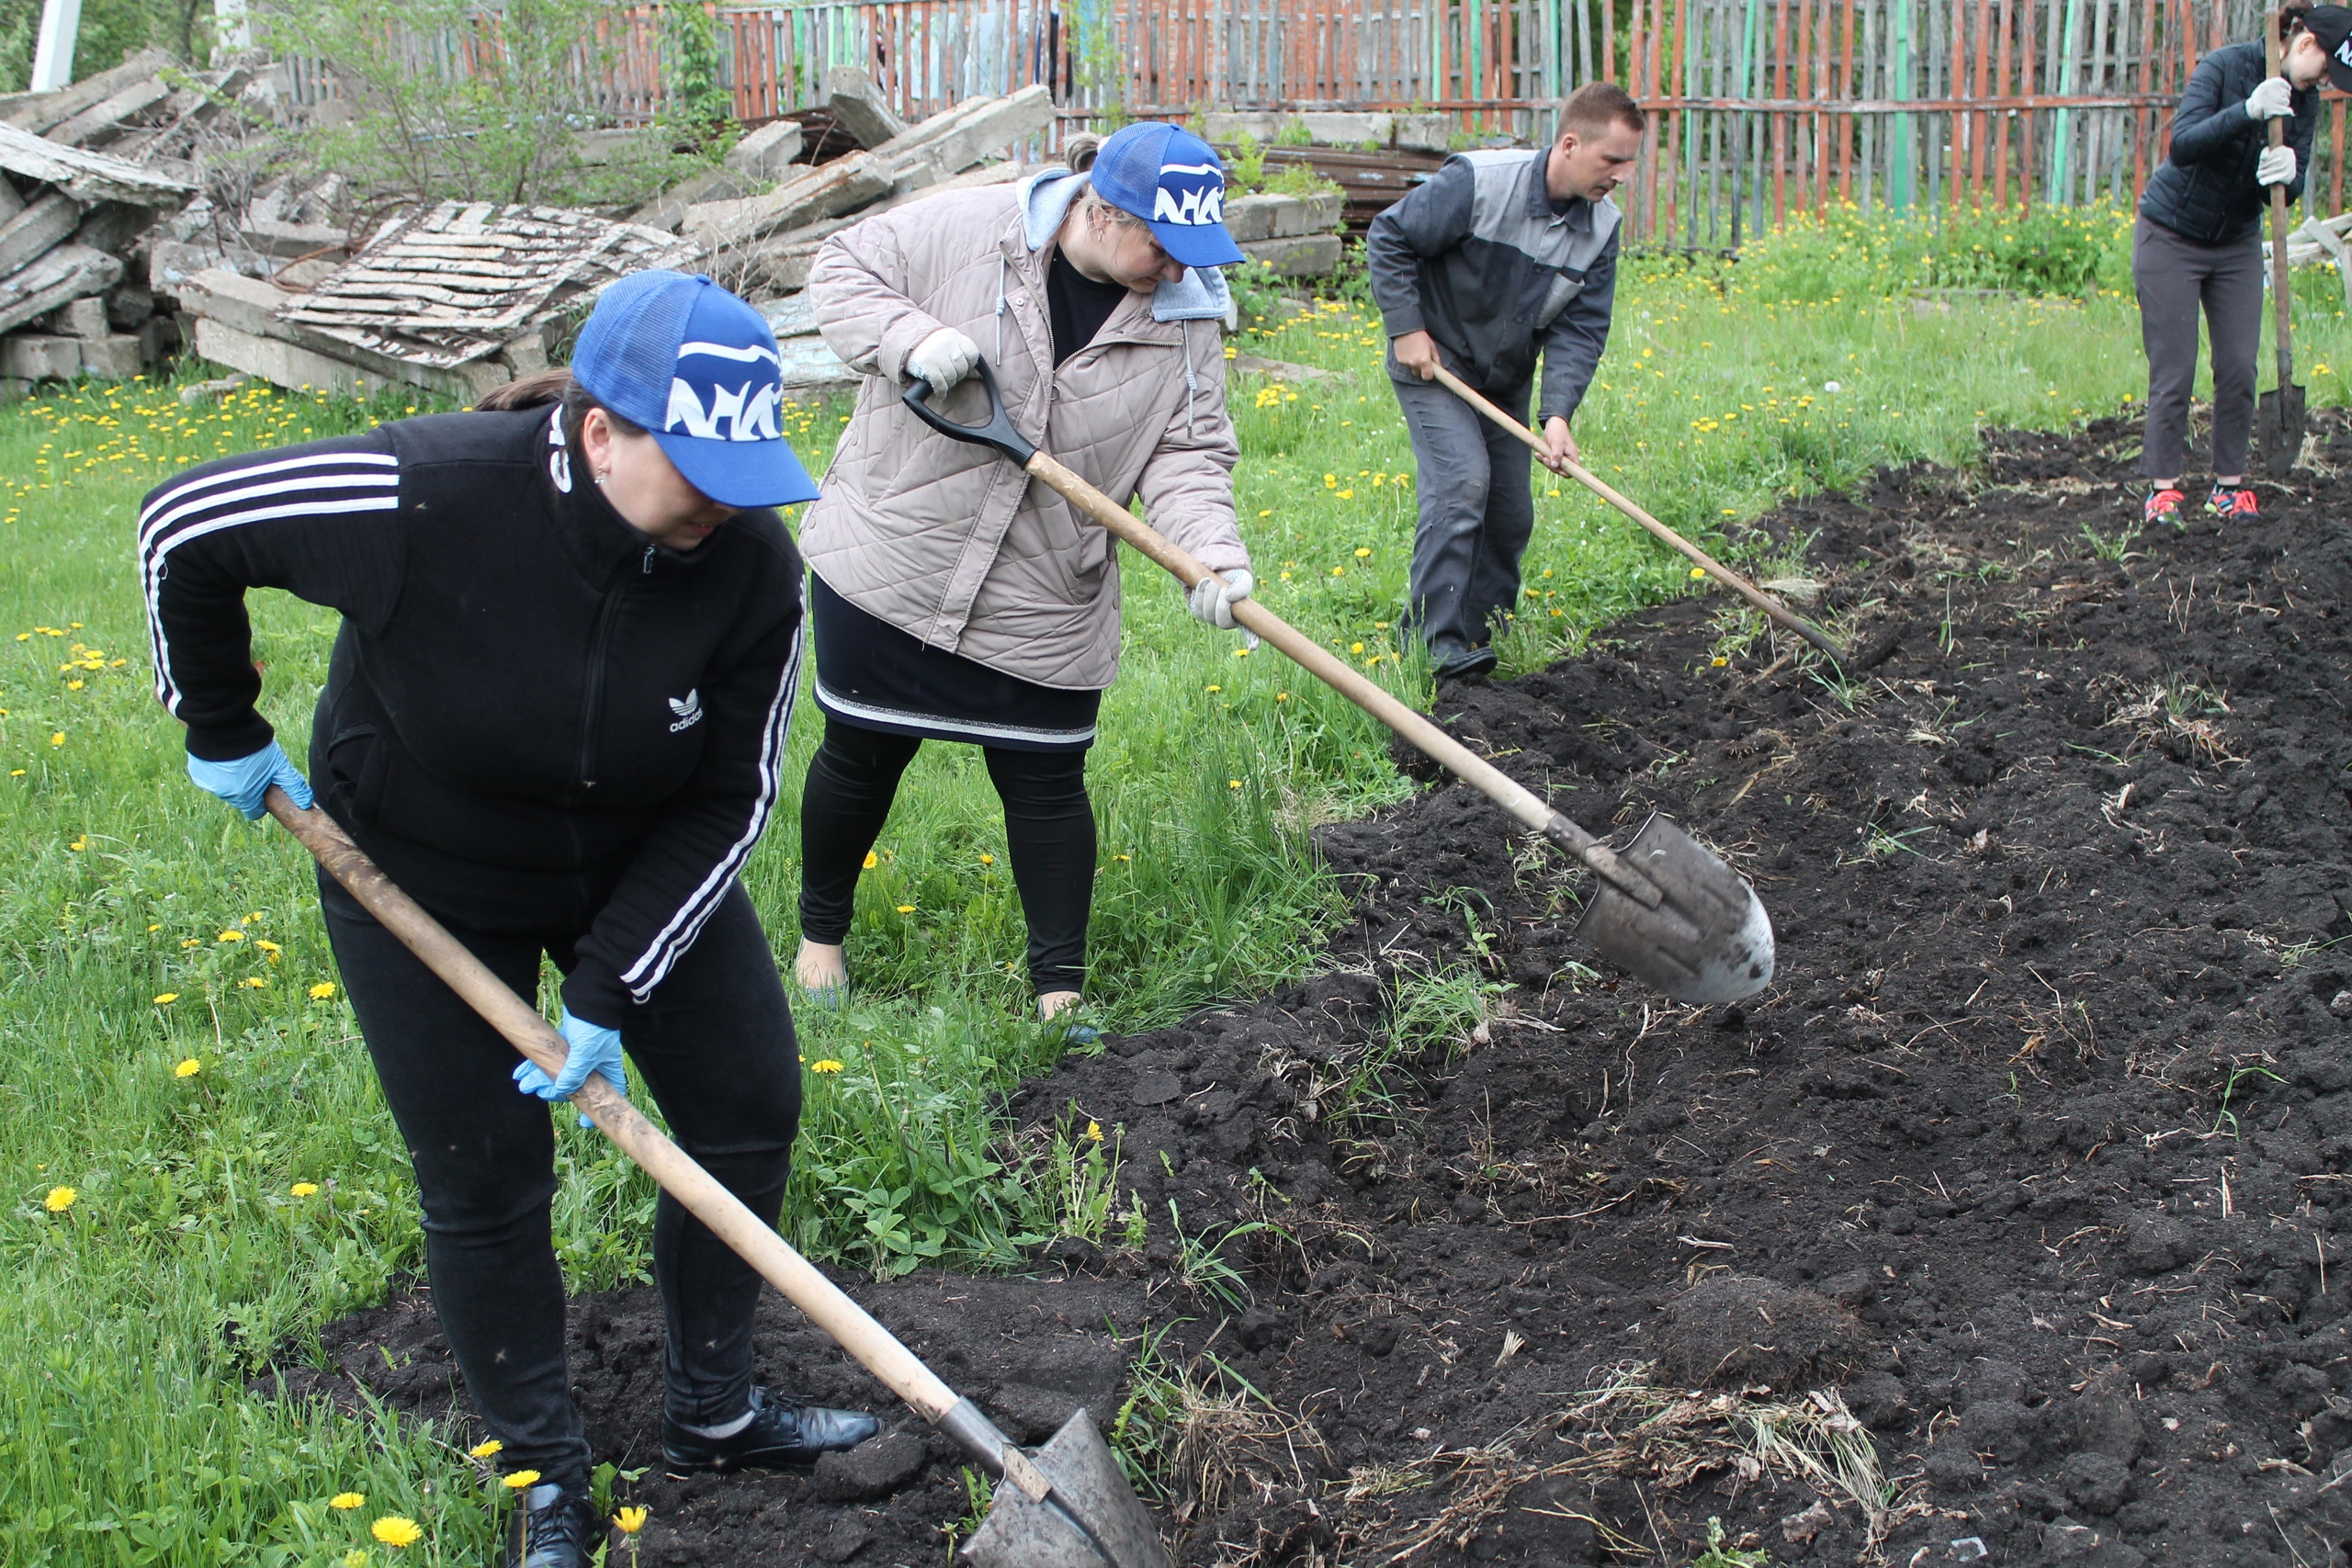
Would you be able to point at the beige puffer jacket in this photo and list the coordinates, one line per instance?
(951, 542)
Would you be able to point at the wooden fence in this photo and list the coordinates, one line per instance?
(1760, 108)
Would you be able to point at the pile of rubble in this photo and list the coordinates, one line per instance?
(150, 208)
(84, 172)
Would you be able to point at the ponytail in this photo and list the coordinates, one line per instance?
(555, 385)
(1079, 152)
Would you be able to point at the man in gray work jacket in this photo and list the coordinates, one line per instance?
(1502, 256)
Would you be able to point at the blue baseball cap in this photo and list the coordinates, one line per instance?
(1171, 179)
(697, 367)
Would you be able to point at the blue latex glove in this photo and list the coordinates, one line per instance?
(244, 782)
(593, 1049)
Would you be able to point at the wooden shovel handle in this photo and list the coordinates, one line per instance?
(1522, 803)
(1608, 492)
(850, 1326)
(2280, 282)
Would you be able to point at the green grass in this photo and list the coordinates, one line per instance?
(130, 1320)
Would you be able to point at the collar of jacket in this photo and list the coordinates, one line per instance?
(599, 540)
(1577, 214)
(1044, 198)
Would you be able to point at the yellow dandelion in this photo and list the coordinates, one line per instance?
(827, 1065)
(187, 1068)
(267, 945)
(1720, 661)
(348, 1500)
(1233, 784)
(251, 983)
(1363, 553)
(166, 998)
(1282, 696)
(486, 1448)
(987, 859)
(871, 861)
(906, 908)
(631, 1519)
(394, 1530)
(79, 844)
(1094, 1131)
(515, 1481)
(232, 934)
(60, 1199)
(322, 991)
(1355, 648)
(1698, 571)
(304, 1190)
(58, 739)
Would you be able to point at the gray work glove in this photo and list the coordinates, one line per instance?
(2275, 99)
(2276, 166)
(943, 359)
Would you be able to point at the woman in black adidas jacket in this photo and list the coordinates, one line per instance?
(556, 716)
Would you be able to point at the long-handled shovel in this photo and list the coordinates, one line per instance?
(1068, 1507)
(1757, 596)
(1667, 910)
(2280, 413)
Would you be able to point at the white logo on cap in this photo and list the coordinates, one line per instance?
(1197, 207)
(2344, 50)
(748, 410)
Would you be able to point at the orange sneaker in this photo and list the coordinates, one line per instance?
(2225, 502)
(2164, 506)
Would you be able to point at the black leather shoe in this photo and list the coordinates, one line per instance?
(1465, 665)
(779, 1437)
(557, 1526)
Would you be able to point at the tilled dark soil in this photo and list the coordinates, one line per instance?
(2000, 1229)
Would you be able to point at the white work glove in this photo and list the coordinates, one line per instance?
(943, 359)
(2275, 99)
(2276, 166)
(1212, 601)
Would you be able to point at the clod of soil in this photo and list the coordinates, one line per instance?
(2052, 1095)
(1733, 1330)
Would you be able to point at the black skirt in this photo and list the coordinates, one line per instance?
(872, 675)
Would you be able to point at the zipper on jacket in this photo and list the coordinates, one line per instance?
(591, 716)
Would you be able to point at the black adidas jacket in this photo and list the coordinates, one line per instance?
(534, 720)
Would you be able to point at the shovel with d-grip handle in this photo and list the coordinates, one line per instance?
(1771, 607)
(1066, 1506)
(2280, 415)
(1666, 909)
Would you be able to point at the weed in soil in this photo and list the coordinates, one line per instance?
(2027, 1169)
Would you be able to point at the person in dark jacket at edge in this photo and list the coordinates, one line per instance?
(2199, 242)
(555, 715)
(1504, 255)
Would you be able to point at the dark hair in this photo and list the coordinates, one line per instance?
(2291, 18)
(555, 385)
(1596, 106)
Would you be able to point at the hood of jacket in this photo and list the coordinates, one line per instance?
(1045, 197)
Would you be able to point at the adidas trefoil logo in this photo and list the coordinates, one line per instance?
(689, 710)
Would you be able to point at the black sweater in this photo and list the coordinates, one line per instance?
(2205, 189)
(536, 721)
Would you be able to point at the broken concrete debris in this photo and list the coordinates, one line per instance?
(152, 207)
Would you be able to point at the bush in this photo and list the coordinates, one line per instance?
(504, 128)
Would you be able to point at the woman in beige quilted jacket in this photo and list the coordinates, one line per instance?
(953, 600)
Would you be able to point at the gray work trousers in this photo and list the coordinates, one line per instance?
(2174, 276)
(1477, 513)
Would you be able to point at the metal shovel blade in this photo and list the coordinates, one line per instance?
(1709, 941)
(2279, 417)
(1092, 1518)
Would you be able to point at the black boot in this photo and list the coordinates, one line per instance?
(556, 1527)
(778, 1436)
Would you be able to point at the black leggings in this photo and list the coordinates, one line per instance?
(714, 1047)
(1048, 829)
